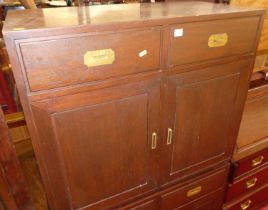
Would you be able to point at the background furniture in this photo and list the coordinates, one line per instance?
(13, 189)
(249, 178)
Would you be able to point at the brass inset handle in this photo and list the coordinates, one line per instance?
(245, 205)
(169, 136)
(257, 161)
(154, 139)
(251, 183)
(194, 191)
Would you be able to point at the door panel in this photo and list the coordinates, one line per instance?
(198, 107)
(103, 142)
(199, 110)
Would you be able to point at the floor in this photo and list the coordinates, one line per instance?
(33, 178)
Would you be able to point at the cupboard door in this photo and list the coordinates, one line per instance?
(99, 144)
(200, 115)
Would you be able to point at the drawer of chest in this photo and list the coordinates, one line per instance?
(200, 41)
(59, 62)
(247, 184)
(250, 202)
(250, 163)
(194, 190)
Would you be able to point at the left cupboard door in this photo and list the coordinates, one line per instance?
(101, 145)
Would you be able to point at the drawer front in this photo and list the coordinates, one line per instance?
(68, 61)
(246, 165)
(251, 202)
(147, 205)
(199, 41)
(212, 201)
(196, 189)
(248, 184)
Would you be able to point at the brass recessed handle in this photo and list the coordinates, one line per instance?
(245, 205)
(154, 139)
(169, 136)
(257, 161)
(194, 191)
(251, 183)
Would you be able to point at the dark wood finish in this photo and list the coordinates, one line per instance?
(212, 201)
(146, 205)
(248, 183)
(177, 197)
(246, 165)
(99, 164)
(13, 188)
(152, 14)
(97, 123)
(44, 72)
(191, 98)
(196, 34)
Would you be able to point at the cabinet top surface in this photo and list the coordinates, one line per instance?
(114, 14)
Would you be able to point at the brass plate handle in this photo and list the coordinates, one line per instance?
(154, 139)
(257, 161)
(245, 205)
(99, 57)
(251, 183)
(217, 40)
(194, 191)
(169, 136)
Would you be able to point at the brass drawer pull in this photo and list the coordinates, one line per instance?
(169, 136)
(245, 205)
(154, 139)
(251, 183)
(194, 191)
(257, 161)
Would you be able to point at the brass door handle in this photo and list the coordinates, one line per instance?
(169, 136)
(257, 161)
(154, 140)
(245, 205)
(251, 183)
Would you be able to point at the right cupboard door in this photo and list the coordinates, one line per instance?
(202, 111)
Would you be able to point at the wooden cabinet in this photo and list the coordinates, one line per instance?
(134, 106)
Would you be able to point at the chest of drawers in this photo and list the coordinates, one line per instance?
(127, 103)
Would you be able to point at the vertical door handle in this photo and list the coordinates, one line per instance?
(169, 136)
(154, 139)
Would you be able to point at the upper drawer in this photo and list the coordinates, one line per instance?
(196, 189)
(60, 62)
(199, 41)
(250, 163)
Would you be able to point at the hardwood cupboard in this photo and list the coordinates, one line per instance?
(134, 106)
